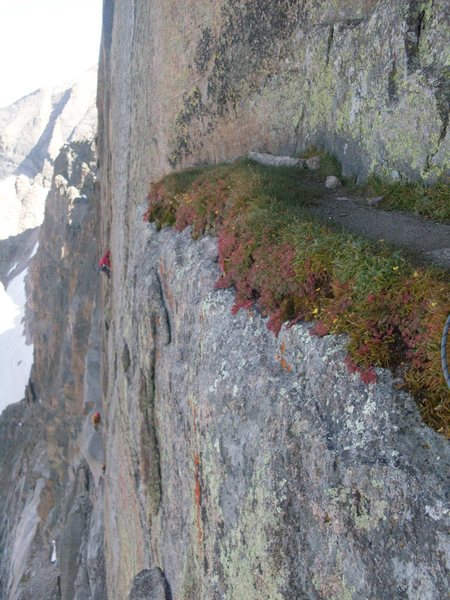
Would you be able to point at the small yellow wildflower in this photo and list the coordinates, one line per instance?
(396, 268)
(416, 274)
(433, 304)
(315, 311)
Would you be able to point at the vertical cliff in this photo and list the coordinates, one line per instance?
(239, 465)
(228, 463)
(52, 457)
(66, 375)
(366, 79)
(245, 466)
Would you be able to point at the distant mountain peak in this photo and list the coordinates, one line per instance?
(32, 132)
(33, 129)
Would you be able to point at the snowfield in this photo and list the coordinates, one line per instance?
(16, 356)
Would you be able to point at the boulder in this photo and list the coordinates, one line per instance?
(332, 182)
(276, 161)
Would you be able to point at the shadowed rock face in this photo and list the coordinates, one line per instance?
(150, 584)
(24, 495)
(66, 377)
(51, 457)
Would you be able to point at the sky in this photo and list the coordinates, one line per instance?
(45, 43)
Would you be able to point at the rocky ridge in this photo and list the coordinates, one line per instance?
(32, 132)
(34, 128)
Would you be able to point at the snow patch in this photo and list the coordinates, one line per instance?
(11, 269)
(53, 556)
(35, 249)
(16, 356)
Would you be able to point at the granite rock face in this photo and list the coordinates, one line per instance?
(365, 79)
(247, 466)
(241, 465)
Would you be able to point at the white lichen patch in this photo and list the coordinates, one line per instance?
(369, 407)
(437, 512)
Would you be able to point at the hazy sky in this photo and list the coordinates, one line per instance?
(44, 43)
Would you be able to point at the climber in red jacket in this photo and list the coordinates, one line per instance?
(104, 264)
(96, 418)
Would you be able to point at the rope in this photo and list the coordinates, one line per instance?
(444, 351)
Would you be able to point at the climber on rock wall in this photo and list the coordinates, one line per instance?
(96, 418)
(104, 264)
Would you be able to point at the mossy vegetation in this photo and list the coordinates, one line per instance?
(432, 202)
(293, 268)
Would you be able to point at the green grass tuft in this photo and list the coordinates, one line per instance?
(432, 202)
